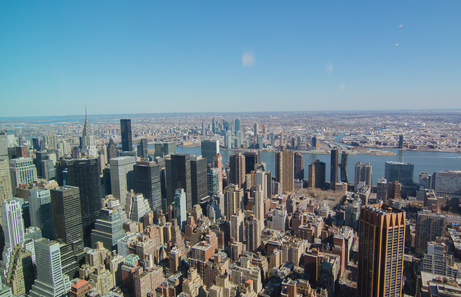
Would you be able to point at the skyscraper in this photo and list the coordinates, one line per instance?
(198, 177)
(125, 130)
(209, 149)
(284, 170)
(84, 174)
(237, 126)
(317, 172)
(87, 145)
(121, 177)
(217, 160)
(251, 159)
(50, 279)
(108, 229)
(363, 173)
(299, 165)
(256, 129)
(213, 185)
(344, 158)
(13, 226)
(22, 171)
(382, 239)
(237, 170)
(41, 214)
(399, 171)
(111, 150)
(180, 208)
(5, 181)
(143, 150)
(178, 176)
(252, 233)
(429, 226)
(334, 157)
(147, 182)
(67, 220)
(165, 149)
(3, 145)
(258, 207)
(400, 141)
(382, 188)
(233, 200)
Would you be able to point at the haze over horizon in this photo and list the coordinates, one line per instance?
(152, 57)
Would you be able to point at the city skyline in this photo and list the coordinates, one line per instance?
(207, 56)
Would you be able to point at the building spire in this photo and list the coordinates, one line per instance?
(86, 126)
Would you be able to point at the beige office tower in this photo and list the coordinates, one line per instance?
(5, 182)
(284, 170)
(258, 206)
(381, 247)
(233, 199)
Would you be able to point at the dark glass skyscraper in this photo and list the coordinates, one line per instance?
(84, 174)
(198, 167)
(209, 149)
(334, 168)
(344, 158)
(143, 151)
(251, 159)
(398, 171)
(67, 225)
(125, 130)
(178, 177)
(147, 182)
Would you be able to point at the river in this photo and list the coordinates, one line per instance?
(424, 161)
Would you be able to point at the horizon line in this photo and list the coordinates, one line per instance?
(234, 112)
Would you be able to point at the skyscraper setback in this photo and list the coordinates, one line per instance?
(125, 130)
(382, 238)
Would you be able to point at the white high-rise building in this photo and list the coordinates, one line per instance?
(121, 176)
(22, 171)
(138, 206)
(258, 207)
(261, 180)
(438, 261)
(279, 219)
(13, 226)
(50, 279)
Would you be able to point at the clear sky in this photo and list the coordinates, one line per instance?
(215, 56)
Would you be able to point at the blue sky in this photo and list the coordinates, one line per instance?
(215, 56)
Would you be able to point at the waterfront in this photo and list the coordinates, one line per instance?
(424, 161)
